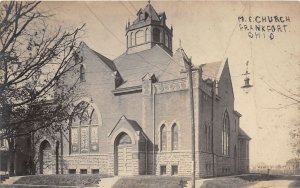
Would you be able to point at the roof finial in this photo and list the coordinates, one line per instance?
(149, 2)
(180, 43)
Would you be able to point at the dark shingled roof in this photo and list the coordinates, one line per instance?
(133, 124)
(152, 14)
(107, 61)
(133, 67)
(104, 59)
(211, 70)
(151, 11)
(243, 134)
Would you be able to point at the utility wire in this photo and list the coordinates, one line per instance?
(234, 29)
(127, 8)
(132, 6)
(279, 92)
(277, 108)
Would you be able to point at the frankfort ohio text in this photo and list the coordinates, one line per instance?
(263, 26)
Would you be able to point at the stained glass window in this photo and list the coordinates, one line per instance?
(175, 137)
(225, 135)
(84, 130)
(163, 137)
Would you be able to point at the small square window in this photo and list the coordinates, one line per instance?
(174, 170)
(95, 171)
(163, 170)
(83, 171)
(72, 171)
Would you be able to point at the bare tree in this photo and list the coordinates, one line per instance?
(295, 138)
(34, 59)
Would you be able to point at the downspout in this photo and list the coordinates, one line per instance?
(61, 152)
(212, 125)
(146, 156)
(153, 120)
(70, 137)
(56, 157)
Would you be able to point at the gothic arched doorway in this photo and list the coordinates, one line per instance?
(45, 158)
(123, 155)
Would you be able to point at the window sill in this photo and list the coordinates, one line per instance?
(227, 156)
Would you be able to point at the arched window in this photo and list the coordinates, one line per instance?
(139, 37)
(175, 137)
(132, 39)
(156, 35)
(128, 41)
(225, 135)
(82, 73)
(84, 129)
(163, 138)
(166, 39)
(124, 139)
(148, 35)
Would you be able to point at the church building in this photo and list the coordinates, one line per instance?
(137, 118)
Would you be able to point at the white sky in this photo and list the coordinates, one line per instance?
(209, 32)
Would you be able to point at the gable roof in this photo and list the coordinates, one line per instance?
(107, 61)
(181, 57)
(133, 67)
(150, 11)
(104, 59)
(237, 113)
(211, 70)
(243, 135)
(133, 124)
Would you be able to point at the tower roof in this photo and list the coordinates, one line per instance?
(148, 29)
(148, 13)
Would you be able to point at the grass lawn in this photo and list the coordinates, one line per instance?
(62, 180)
(239, 181)
(226, 182)
(246, 180)
(150, 182)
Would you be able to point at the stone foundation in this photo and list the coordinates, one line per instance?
(88, 162)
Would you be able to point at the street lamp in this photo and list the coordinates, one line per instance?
(247, 85)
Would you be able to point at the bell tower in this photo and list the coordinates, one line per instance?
(147, 30)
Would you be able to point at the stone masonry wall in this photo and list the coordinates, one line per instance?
(180, 159)
(88, 162)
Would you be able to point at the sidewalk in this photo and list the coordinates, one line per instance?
(108, 182)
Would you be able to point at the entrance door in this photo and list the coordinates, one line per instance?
(45, 158)
(124, 155)
(124, 160)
